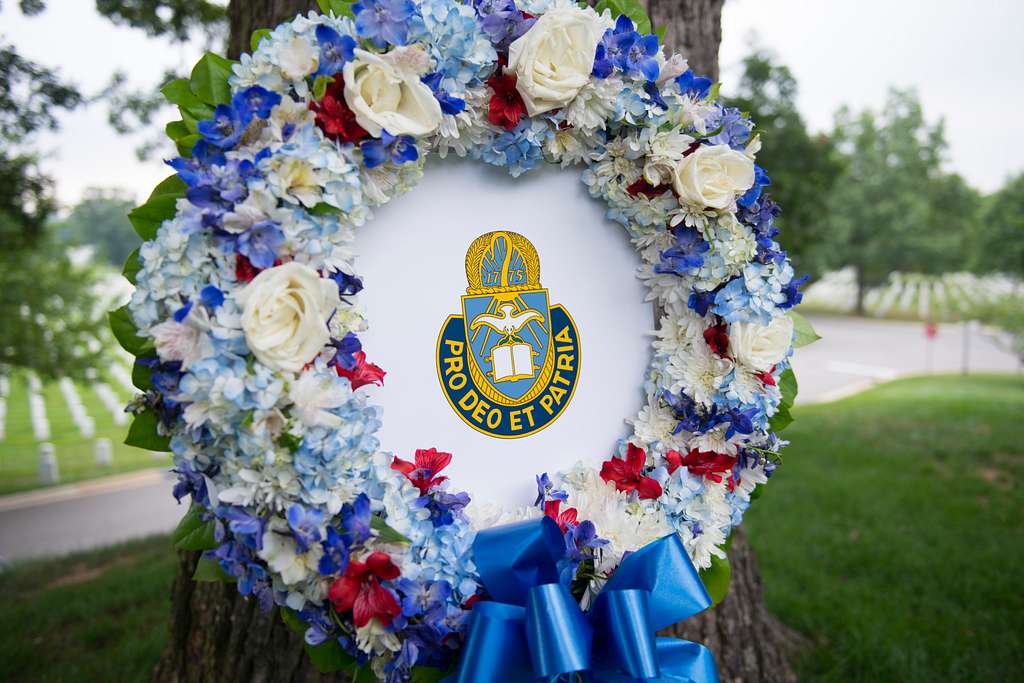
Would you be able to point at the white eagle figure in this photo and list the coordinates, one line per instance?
(512, 358)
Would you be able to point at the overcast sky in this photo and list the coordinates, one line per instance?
(965, 58)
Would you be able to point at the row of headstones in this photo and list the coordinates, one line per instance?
(49, 467)
(86, 425)
(5, 389)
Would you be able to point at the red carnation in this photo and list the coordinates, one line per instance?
(641, 186)
(245, 271)
(334, 117)
(628, 474)
(422, 472)
(564, 518)
(359, 590)
(507, 106)
(363, 373)
(766, 377)
(717, 338)
(702, 463)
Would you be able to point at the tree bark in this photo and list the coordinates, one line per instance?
(216, 635)
(694, 30)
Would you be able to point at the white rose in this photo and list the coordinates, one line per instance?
(284, 315)
(761, 346)
(553, 59)
(384, 96)
(713, 176)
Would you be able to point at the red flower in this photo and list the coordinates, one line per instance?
(702, 463)
(359, 590)
(333, 116)
(766, 377)
(507, 107)
(421, 473)
(627, 474)
(717, 338)
(245, 271)
(564, 518)
(363, 373)
(641, 186)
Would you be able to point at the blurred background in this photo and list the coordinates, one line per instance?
(892, 538)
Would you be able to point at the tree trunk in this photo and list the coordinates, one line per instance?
(694, 30)
(216, 635)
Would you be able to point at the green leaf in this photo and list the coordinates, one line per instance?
(127, 336)
(341, 8)
(781, 419)
(146, 219)
(631, 8)
(289, 441)
(385, 533)
(320, 86)
(713, 91)
(211, 571)
(756, 493)
(328, 656)
(193, 532)
(143, 434)
(209, 79)
(186, 144)
(363, 674)
(142, 377)
(325, 5)
(176, 130)
(803, 332)
(293, 621)
(660, 32)
(323, 209)
(716, 578)
(171, 186)
(788, 387)
(132, 265)
(258, 35)
(179, 92)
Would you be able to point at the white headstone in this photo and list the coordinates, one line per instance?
(104, 452)
(49, 470)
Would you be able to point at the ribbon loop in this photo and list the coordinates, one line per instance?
(625, 638)
(513, 558)
(558, 634)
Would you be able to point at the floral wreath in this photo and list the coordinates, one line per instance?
(245, 322)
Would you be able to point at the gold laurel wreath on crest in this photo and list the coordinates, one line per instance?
(484, 243)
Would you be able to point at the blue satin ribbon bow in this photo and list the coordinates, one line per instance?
(533, 629)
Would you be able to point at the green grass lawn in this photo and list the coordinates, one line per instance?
(893, 534)
(19, 450)
(99, 616)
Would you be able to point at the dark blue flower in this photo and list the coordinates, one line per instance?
(211, 297)
(580, 538)
(305, 525)
(792, 292)
(687, 253)
(336, 552)
(449, 105)
(501, 21)
(335, 50)
(421, 597)
(383, 21)
(260, 243)
(225, 128)
(691, 84)
(623, 48)
(546, 489)
(445, 506)
(397, 149)
(355, 520)
(761, 180)
(255, 101)
(345, 350)
(348, 285)
(243, 524)
(700, 302)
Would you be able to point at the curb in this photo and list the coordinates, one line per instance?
(92, 487)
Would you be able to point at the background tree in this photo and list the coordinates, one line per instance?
(216, 634)
(880, 215)
(100, 221)
(47, 304)
(803, 166)
(997, 243)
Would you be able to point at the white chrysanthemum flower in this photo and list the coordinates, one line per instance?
(654, 423)
(377, 639)
(485, 515)
(715, 441)
(282, 556)
(665, 288)
(628, 525)
(594, 104)
(664, 150)
(313, 393)
(698, 371)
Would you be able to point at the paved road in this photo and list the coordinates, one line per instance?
(853, 354)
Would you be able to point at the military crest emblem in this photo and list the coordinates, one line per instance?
(508, 365)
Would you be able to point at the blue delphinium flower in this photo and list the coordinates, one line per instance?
(625, 49)
(260, 243)
(355, 519)
(335, 50)
(445, 506)
(344, 351)
(225, 128)
(255, 102)
(691, 84)
(397, 149)
(700, 301)
(687, 253)
(211, 297)
(761, 180)
(580, 538)
(305, 525)
(546, 490)
(421, 597)
(502, 21)
(449, 105)
(732, 127)
(335, 558)
(384, 22)
(348, 285)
